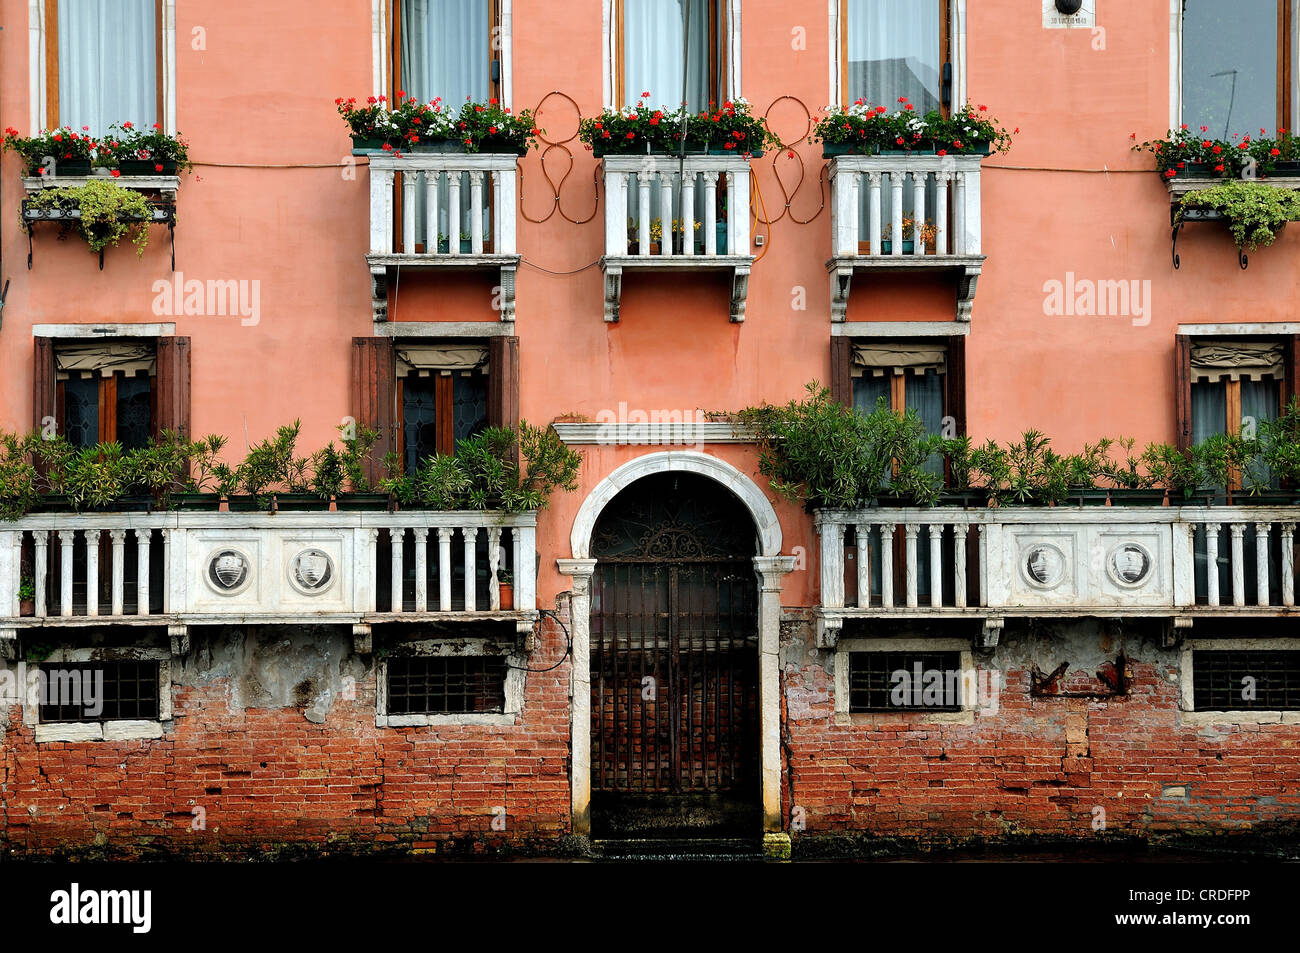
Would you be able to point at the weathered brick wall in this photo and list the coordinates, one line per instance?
(241, 748)
(1038, 766)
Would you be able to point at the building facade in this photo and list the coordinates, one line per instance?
(683, 652)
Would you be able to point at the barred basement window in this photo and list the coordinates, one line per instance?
(1246, 681)
(446, 685)
(98, 691)
(908, 681)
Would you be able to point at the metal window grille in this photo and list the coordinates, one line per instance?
(905, 681)
(99, 691)
(446, 685)
(1245, 681)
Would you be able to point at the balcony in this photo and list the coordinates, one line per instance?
(868, 201)
(182, 567)
(712, 193)
(988, 564)
(434, 179)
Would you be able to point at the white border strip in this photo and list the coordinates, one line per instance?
(1279, 327)
(900, 329)
(103, 330)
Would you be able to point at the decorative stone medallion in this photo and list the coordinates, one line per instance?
(1043, 565)
(228, 571)
(311, 571)
(1129, 564)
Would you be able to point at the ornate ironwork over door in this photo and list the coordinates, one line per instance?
(674, 662)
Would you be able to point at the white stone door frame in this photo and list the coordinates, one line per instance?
(769, 565)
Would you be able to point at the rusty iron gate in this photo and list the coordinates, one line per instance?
(674, 664)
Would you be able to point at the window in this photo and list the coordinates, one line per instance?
(895, 48)
(443, 396)
(456, 388)
(105, 392)
(446, 685)
(447, 48)
(910, 681)
(1233, 382)
(1243, 680)
(906, 375)
(103, 63)
(99, 691)
(1237, 61)
(658, 42)
(475, 679)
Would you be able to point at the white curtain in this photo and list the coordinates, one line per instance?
(445, 53)
(893, 51)
(652, 52)
(445, 50)
(108, 60)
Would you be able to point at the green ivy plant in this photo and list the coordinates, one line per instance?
(109, 213)
(1255, 212)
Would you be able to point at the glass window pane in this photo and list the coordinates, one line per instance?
(419, 419)
(653, 31)
(108, 60)
(924, 395)
(81, 411)
(893, 50)
(1229, 65)
(868, 389)
(1209, 409)
(469, 404)
(133, 412)
(1259, 402)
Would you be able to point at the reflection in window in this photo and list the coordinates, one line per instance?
(1230, 66)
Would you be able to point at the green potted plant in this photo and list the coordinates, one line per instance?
(103, 212)
(149, 152)
(926, 231)
(1254, 211)
(371, 126)
(60, 152)
(1084, 469)
(1132, 484)
(27, 597)
(1185, 154)
(490, 127)
(507, 590)
(1173, 470)
(637, 130)
(730, 129)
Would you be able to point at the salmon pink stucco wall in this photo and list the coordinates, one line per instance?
(276, 198)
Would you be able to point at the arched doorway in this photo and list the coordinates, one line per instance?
(674, 663)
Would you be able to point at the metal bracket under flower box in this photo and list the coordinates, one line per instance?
(162, 212)
(1180, 186)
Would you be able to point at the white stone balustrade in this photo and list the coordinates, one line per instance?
(86, 567)
(491, 182)
(701, 192)
(1056, 561)
(871, 196)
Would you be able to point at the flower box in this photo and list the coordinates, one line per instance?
(887, 247)
(146, 167)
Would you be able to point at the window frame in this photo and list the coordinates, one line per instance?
(470, 646)
(845, 647)
(1186, 682)
(46, 105)
(947, 55)
(123, 729)
(1286, 99)
(107, 397)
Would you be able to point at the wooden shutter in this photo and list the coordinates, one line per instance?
(955, 382)
(841, 370)
(173, 383)
(503, 382)
(374, 400)
(43, 390)
(1290, 361)
(1183, 390)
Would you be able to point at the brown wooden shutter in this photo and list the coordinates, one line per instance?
(503, 382)
(955, 382)
(43, 389)
(841, 370)
(374, 402)
(1183, 389)
(173, 383)
(1290, 361)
